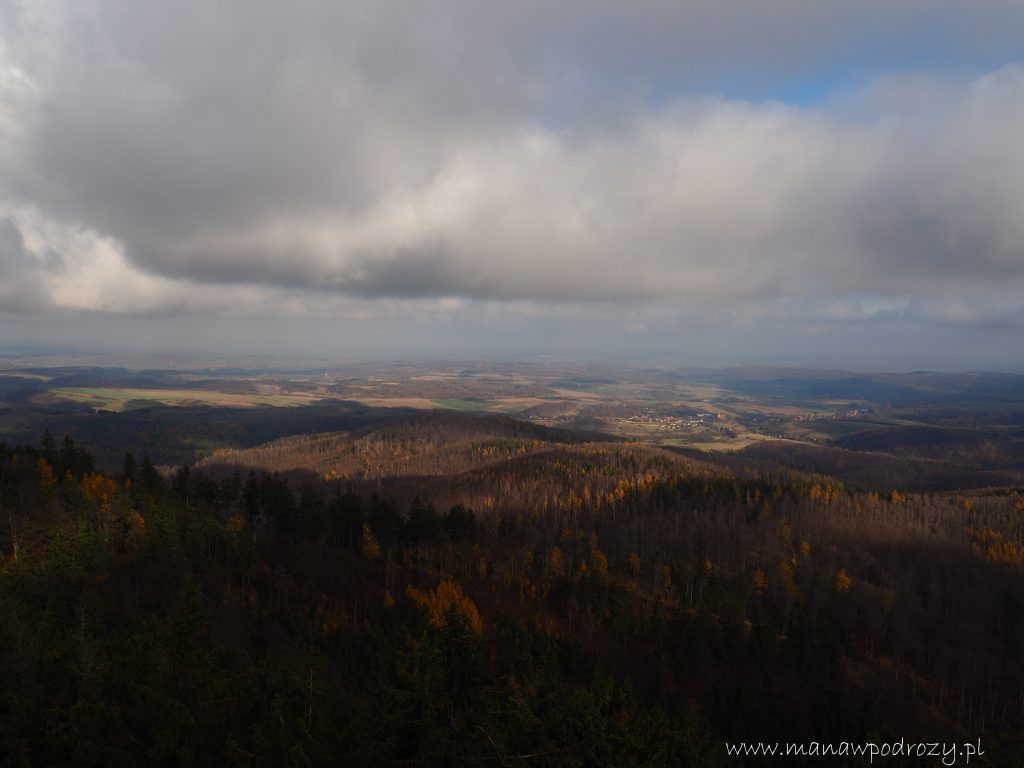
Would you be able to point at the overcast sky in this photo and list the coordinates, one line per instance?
(674, 180)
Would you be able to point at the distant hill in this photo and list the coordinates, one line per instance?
(431, 443)
(896, 388)
(870, 469)
(952, 445)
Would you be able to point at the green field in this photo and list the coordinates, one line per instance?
(459, 404)
(117, 399)
(829, 429)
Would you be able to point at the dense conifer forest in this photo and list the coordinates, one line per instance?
(465, 590)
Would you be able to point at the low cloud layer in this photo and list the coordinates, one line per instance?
(342, 160)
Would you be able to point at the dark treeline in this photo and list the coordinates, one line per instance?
(183, 620)
(566, 605)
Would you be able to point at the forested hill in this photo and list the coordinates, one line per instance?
(562, 603)
(431, 443)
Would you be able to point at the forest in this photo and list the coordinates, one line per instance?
(450, 589)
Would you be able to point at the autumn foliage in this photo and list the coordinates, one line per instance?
(447, 597)
(588, 604)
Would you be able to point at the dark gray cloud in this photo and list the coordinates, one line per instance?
(21, 286)
(318, 158)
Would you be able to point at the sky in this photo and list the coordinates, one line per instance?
(687, 181)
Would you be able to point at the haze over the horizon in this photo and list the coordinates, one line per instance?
(819, 182)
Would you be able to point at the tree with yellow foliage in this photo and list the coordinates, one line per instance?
(101, 492)
(45, 473)
(556, 561)
(99, 489)
(447, 596)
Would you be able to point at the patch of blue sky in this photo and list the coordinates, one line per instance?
(937, 46)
